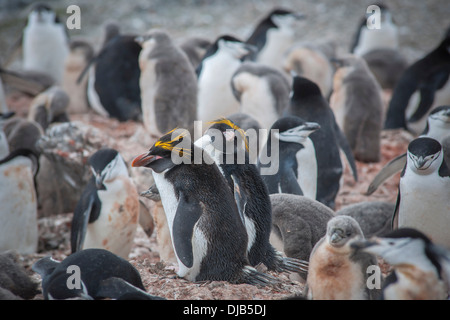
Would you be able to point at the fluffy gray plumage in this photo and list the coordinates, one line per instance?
(374, 218)
(299, 222)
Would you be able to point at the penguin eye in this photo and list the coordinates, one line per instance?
(213, 138)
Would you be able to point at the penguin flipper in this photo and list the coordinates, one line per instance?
(394, 166)
(344, 145)
(119, 289)
(187, 214)
(87, 210)
(289, 184)
(394, 223)
(427, 91)
(240, 197)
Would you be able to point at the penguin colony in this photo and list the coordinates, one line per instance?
(255, 194)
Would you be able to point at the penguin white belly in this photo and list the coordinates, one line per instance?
(148, 87)
(425, 205)
(307, 169)
(251, 232)
(93, 98)
(258, 102)
(386, 37)
(45, 49)
(18, 212)
(115, 228)
(199, 241)
(215, 98)
(277, 43)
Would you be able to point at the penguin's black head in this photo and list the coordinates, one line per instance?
(293, 129)
(280, 17)
(42, 14)
(225, 137)
(402, 247)
(441, 113)
(423, 153)
(303, 87)
(103, 165)
(173, 148)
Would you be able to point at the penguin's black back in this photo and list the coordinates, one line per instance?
(117, 76)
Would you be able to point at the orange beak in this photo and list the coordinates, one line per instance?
(143, 160)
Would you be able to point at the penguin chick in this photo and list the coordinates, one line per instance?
(195, 49)
(222, 139)
(336, 270)
(214, 73)
(438, 127)
(93, 267)
(209, 238)
(294, 157)
(358, 107)
(18, 212)
(107, 213)
(263, 92)
(168, 85)
(81, 52)
(417, 265)
(373, 217)
(423, 200)
(50, 106)
(298, 223)
(22, 134)
(368, 37)
(308, 103)
(273, 36)
(311, 63)
(419, 89)
(45, 44)
(14, 278)
(387, 66)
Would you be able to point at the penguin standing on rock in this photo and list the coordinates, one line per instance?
(209, 238)
(45, 44)
(273, 36)
(308, 103)
(214, 73)
(337, 271)
(295, 158)
(424, 85)
(221, 139)
(423, 200)
(419, 265)
(168, 84)
(358, 107)
(262, 91)
(97, 268)
(107, 213)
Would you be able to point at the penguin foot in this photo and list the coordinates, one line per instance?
(295, 265)
(254, 277)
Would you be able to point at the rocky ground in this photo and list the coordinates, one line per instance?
(422, 25)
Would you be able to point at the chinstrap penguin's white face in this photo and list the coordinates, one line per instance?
(235, 49)
(298, 134)
(424, 163)
(41, 17)
(112, 170)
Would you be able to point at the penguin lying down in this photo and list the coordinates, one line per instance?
(102, 274)
(208, 234)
